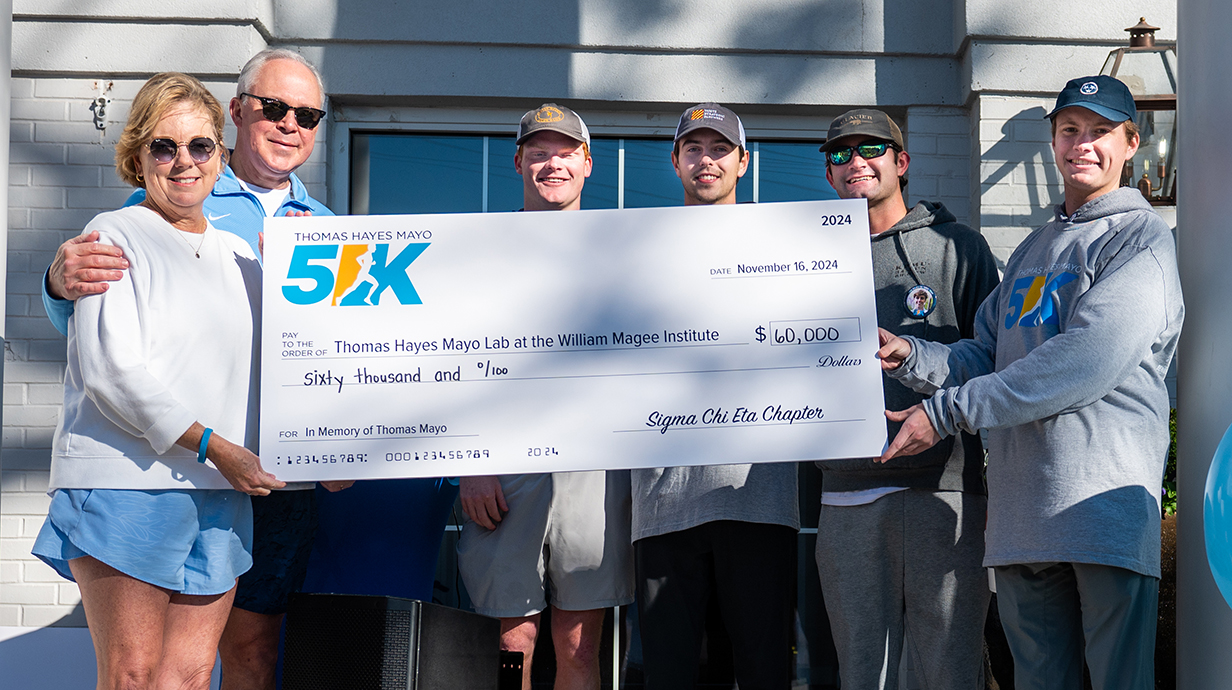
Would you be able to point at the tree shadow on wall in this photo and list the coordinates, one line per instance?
(1024, 145)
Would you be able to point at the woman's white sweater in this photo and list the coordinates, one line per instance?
(171, 343)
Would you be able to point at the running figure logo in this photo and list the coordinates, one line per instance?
(1034, 300)
(351, 275)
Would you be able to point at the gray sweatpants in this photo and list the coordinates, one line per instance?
(1057, 614)
(906, 568)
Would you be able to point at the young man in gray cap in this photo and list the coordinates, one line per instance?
(900, 546)
(709, 154)
(726, 529)
(1066, 371)
(564, 533)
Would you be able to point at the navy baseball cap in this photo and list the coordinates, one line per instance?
(1103, 95)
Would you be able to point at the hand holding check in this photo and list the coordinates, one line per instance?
(917, 433)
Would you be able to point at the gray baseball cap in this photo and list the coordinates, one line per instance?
(550, 117)
(866, 121)
(712, 116)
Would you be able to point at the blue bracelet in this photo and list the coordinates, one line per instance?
(205, 443)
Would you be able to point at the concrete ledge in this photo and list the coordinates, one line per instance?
(105, 49)
(1099, 20)
(424, 72)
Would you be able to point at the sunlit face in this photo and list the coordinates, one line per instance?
(874, 179)
(1090, 150)
(180, 186)
(553, 167)
(279, 147)
(709, 166)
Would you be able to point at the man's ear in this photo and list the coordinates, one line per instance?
(744, 163)
(234, 109)
(904, 162)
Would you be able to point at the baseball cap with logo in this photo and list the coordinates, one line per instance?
(712, 116)
(1106, 96)
(550, 117)
(866, 121)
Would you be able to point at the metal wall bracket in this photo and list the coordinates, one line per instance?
(99, 105)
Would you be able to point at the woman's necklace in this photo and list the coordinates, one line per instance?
(197, 250)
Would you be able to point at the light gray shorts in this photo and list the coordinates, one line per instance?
(566, 533)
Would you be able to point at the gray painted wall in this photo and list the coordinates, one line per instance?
(781, 52)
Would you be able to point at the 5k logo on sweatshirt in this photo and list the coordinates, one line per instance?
(351, 274)
(1034, 301)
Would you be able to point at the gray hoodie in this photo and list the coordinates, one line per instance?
(1067, 371)
(927, 247)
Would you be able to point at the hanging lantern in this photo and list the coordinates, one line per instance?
(1149, 70)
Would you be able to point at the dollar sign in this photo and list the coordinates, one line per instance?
(761, 334)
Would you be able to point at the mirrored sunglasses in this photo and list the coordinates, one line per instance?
(200, 149)
(867, 151)
(274, 110)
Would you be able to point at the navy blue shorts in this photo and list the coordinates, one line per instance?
(284, 524)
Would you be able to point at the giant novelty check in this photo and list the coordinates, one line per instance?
(447, 345)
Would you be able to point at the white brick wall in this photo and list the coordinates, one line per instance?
(939, 141)
(61, 175)
(1018, 181)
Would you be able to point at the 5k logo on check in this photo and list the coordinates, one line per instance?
(1032, 303)
(352, 274)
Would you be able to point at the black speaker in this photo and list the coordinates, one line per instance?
(351, 642)
(510, 670)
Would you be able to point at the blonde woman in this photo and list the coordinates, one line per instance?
(149, 474)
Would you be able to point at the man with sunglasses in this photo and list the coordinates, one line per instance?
(900, 545)
(259, 181)
(276, 111)
(558, 539)
(726, 530)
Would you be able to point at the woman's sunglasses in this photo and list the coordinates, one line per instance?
(274, 110)
(200, 149)
(867, 151)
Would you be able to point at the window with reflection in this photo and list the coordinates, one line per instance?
(432, 173)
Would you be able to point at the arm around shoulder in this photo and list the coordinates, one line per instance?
(58, 310)
(82, 266)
